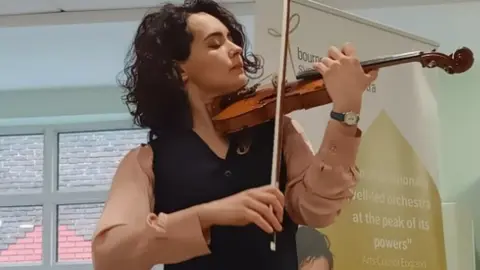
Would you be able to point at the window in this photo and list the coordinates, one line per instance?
(20, 235)
(53, 185)
(21, 164)
(89, 159)
(76, 225)
(21, 171)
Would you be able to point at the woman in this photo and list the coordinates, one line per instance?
(193, 199)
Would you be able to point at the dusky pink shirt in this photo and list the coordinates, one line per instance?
(130, 236)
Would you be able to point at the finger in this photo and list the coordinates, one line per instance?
(272, 198)
(269, 199)
(349, 50)
(280, 199)
(320, 67)
(335, 53)
(279, 208)
(275, 191)
(373, 74)
(328, 62)
(256, 218)
(264, 210)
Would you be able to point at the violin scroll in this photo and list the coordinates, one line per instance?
(458, 62)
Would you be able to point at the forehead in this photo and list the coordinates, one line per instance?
(203, 24)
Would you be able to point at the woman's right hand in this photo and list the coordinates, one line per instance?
(246, 207)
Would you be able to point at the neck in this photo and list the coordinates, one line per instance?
(203, 127)
(202, 122)
(201, 118)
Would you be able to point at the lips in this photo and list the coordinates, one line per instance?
(237, 66)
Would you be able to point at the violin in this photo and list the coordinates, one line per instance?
(251, 107)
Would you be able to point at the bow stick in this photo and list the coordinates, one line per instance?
(280, 85)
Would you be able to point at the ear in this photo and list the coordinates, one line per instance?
(184, 75)
(182, 71)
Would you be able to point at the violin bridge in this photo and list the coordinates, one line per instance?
(275, 80)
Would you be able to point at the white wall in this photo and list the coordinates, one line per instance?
(63, 55)
(459, 238)
(73, 65)
(70, 55)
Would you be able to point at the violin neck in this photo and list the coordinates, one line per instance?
(389, 61)
(377, 63)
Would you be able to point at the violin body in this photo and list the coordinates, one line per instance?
(248, 108)
(260, 107)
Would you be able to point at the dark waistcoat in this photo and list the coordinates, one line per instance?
(188, 173)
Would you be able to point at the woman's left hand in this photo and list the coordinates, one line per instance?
(344, 77)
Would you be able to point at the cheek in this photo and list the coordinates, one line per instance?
(208, 65)
(219, 58)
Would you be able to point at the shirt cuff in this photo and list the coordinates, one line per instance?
(185, 231)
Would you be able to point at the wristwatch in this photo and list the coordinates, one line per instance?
(348, 118)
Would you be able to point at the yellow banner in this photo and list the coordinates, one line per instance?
(394, 220)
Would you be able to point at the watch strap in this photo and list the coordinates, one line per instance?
(337, 116)
(348, 118)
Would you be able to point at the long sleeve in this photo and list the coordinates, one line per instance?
(319, 184)
(129, 236)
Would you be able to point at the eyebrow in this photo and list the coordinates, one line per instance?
(215, 34)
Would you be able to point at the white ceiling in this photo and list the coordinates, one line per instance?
(17, 7)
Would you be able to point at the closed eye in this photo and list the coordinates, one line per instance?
(217, 39)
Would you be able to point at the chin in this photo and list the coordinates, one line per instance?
(243, 79)
(241, 82)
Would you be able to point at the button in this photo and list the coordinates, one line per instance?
(243, 149)
(228, 173)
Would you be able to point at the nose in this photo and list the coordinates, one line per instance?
(235, 50)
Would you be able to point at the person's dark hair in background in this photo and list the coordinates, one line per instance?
(312, 245)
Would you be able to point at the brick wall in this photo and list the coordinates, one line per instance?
(89, 159)
(21, 163)
(86, 160)
(71, 247)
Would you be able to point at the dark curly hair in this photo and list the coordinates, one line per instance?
(155, 94)
(312, 244)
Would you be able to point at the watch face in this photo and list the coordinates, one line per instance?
(351, 119)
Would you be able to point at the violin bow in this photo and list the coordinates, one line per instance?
(280, 85)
